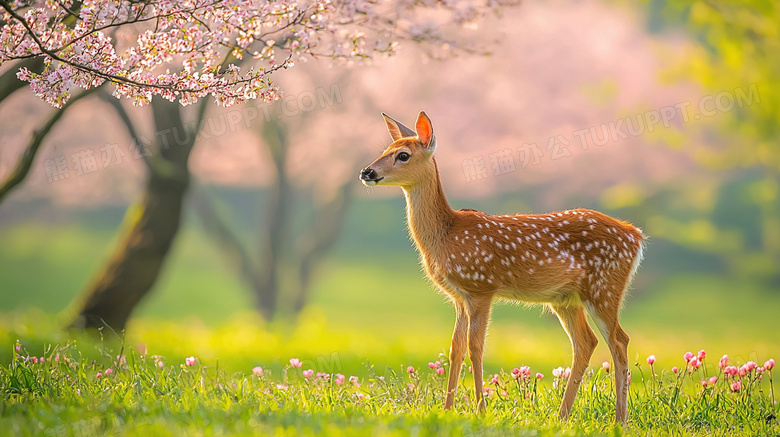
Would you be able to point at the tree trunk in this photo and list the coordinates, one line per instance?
(276, 139)
(324, 233)
(151, 227)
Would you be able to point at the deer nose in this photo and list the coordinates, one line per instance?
(368, 174)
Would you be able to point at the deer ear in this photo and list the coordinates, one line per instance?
(425, 132)
(396, 129)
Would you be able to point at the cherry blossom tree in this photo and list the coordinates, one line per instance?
(182, 50)
(191, 52)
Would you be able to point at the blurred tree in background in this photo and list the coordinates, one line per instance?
(183, 54)
(736, 218)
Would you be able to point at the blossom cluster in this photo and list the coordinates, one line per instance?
(186, 50)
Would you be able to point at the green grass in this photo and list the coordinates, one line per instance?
(363, 310)
(73, 393)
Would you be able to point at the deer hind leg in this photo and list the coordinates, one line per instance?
(583, 342)
(457, 352)
(617, 339)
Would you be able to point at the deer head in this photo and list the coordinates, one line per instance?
(406, 162)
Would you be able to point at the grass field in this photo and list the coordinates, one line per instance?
(367, 318)
(131, 392)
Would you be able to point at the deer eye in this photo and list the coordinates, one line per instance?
(403, 157)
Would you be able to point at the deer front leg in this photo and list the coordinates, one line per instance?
(479, 315)
(457, 352)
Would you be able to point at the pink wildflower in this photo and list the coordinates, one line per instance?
(695, 363)
(651, 360)
(605, 366)
(440, 371)
(724, 361)
(109, 371)
(701, 355)
(257, 371)
(688, 356)
(713, 380)
(539, 376)
(98, 375)
(308, 373)
(675, 370)
(354, 381)
(736, 385)
(295, 362)
(768, 364)
(340, 379)
(190, 361)
(410, 369)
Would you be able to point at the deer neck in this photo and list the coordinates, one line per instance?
(428, 213)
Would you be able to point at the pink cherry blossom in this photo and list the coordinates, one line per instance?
(190, 361)
(257, 371)
(308, 373)
(174, 50)
(295, 362)
(651, 360)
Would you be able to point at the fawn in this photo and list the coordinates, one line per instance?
(570, 261)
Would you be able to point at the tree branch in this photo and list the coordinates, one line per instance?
(9, 83)
(25, 162)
